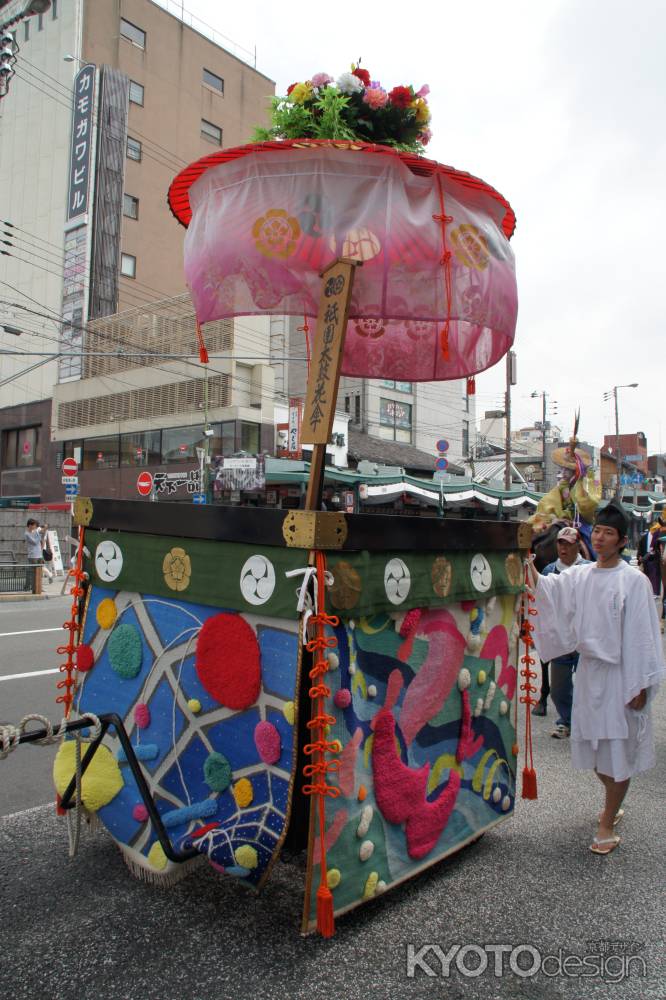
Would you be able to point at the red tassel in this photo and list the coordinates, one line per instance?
(471, 386)
(444, 343)
(325, 921)
(203, 355)
(529, 783)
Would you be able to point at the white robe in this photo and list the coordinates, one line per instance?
(609, 617)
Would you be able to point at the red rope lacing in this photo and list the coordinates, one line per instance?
(528, 675)
(203, 353)
(73, 626)
(445, 261)
(320, 766)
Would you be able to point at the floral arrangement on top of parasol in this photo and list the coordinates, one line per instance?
(352, 107)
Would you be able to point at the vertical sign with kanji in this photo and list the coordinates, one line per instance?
(322, 390)
(324, 375)
(81, 145)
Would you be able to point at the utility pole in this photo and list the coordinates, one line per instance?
(511, 379)
(618, 456)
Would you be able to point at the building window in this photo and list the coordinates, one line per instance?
(210, 132)
(136, 93)
(40, 22)
(465, 438)
(128, 265)
(101, 452)
(54, 10)
(214, 81)
(347, 404)
(395, 419)
(133, 149)
(249, 438)
(357, 409)
(141, 448)
(179, 444)
(132, 33)
(26, 31)
(130, 207)
(21, 448)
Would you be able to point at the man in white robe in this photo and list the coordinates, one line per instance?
(605, 610)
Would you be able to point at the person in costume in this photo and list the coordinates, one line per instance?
(562, 667)
(605, 610)
(650, 552)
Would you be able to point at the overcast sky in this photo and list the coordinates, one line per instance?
(559, 104)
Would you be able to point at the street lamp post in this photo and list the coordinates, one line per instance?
(9, 45)
(618, 456)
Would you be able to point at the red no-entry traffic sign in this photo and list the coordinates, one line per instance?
(70, 467)
(144, 483)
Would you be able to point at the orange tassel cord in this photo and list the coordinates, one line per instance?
(73, 626)
(320, 767)
(529, 675)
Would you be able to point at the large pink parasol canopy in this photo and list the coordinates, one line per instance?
(436, 296)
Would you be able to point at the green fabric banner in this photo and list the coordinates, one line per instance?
(250, 579)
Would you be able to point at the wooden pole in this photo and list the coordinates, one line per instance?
(322, 389)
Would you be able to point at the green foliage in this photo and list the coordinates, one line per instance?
(330, 114)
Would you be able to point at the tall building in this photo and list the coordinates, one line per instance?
(108, 101)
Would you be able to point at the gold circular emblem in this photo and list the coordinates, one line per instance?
(514, 569)
(441, 576)
(177, 569)
(346, 588)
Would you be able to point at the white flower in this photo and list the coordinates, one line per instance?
(349, 84)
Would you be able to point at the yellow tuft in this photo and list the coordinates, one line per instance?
(481, 677)
(243, 792)
(101, 782)
(106, 613)
(370, 887)
(156, 856)
(333, 878)
(246, 856)
(194, 705)
(289, 712)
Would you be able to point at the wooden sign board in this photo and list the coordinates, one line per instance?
(322, 391)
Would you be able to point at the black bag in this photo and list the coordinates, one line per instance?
(47, 555)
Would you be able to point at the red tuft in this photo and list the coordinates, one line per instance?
(85, 658)
(228, 660)
(290, 88)
(363, 75)
(401, 97)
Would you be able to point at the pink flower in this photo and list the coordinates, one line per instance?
(425, 136)
(321, 79)
(375, 97)
(424, 91)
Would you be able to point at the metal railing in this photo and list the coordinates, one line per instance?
(20, 578)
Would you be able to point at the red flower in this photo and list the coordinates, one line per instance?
(290, 88)
(363, 75)
(401, 97)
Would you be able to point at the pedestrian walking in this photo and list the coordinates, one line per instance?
(36, 541)
(562, 668)
(605, 610)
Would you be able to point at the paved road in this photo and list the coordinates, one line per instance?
(30, 632)
(85, 929)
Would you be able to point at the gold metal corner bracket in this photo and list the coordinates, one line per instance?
(525, 535)
(312, 529)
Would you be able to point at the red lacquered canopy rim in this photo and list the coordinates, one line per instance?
(179, 190)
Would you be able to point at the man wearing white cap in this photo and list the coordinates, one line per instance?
(562, 667)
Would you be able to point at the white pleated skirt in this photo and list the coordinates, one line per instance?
(618, 759)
